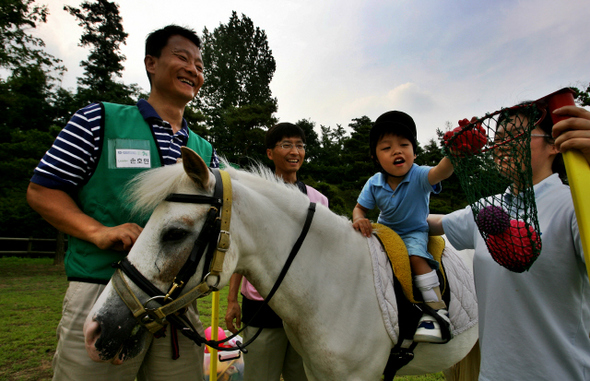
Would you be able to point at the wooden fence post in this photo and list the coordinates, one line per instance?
(59, 249)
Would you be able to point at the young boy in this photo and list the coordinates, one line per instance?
(401, 190)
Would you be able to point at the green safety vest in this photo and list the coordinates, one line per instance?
(128, 148)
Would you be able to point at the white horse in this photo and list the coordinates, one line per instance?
(327, 300)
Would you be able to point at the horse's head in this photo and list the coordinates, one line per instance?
(165, 267)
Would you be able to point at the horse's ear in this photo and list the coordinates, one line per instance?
(195, 167)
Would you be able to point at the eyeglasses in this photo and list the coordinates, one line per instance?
(502, 140)
(289, 146)
(540, 136)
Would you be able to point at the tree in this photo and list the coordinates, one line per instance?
(357, 153)
(311, 139)
(103, 32)
(582, 96)
(242, 138)
(26, 104)
(19, 48)
(325, 160)
(27, 90)
(236, 97)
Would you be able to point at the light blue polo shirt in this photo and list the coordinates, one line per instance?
(404, 209)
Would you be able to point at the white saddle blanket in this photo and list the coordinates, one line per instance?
(463, 305)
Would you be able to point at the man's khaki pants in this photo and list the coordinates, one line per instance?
(154, 363)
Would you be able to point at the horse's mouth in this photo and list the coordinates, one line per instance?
(113, 340)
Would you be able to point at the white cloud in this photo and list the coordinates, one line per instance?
(439, 60)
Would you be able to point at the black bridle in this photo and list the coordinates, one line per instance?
(212, 243)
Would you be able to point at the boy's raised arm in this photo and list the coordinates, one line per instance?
(443, 170)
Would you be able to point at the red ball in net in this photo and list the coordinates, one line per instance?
(465, 140)
(516, 248)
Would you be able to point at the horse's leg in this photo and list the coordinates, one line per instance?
(466, 369)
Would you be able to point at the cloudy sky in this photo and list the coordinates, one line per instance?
(438, 60)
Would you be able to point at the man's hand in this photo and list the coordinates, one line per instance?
(233, 313)
(59, 209)
(119, 238)
(233, 307)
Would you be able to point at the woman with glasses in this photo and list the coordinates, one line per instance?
(533, 325)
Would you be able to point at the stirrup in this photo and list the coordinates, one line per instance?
(429, 330)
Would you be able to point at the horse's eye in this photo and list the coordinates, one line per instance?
(174, 234)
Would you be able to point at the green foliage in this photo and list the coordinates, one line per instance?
(103, 32)
(582, 96)
(24, 101)
(238, 65)
(241, 137)
(18, 158)
(236, 97)
(17, 47)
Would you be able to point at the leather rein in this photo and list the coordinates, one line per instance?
(212, 244)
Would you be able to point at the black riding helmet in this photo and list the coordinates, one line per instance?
(392, 122)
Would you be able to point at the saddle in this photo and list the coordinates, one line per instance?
(400, 261)
(410, 305)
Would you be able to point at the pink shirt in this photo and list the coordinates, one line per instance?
(247, 289)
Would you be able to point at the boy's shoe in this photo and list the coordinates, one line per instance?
(429, 330)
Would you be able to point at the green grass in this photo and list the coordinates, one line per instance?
(31, 294)
(30, 308)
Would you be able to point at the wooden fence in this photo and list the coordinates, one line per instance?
(34, 247)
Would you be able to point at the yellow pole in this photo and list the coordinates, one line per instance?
(214, 335)
(578, 173)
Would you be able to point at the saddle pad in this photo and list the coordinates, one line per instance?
(463, 305)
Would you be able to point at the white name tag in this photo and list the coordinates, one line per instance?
(133, 158)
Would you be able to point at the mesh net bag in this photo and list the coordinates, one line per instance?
(492, 160)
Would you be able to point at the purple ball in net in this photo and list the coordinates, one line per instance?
(493, 220)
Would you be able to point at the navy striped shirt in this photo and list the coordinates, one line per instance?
(74, 153)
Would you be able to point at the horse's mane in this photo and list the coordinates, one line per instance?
(146, 190)
(261, 179)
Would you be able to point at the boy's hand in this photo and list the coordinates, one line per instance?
(364, 226)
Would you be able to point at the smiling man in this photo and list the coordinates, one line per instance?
(271, 354)
(78, 188)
